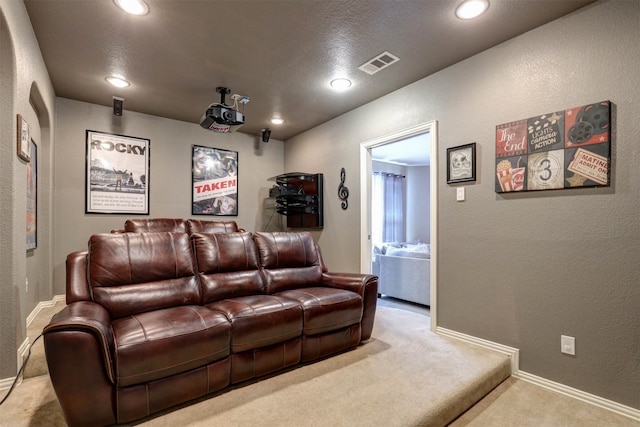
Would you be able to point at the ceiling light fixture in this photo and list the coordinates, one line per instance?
(134, 7)
(117, 81)
(340, 84)
(277, 121)
(470, 9)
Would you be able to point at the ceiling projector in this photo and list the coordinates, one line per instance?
(221, 117)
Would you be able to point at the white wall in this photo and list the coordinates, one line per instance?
(521, 269)
(169, 178)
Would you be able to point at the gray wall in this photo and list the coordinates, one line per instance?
(521, 269)
(516, 269)
(169, 177)
(25, 89)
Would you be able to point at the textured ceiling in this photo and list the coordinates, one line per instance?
(281, 54)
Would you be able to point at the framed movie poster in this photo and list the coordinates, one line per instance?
(461, 163)
(32, 198)
(562, 149)
(117, 174)
(214, 181)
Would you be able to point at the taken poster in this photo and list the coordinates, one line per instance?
(214, 181)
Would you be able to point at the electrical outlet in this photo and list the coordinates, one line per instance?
(568, 345)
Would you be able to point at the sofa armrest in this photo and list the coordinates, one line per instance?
(354, 282)
(78, 346)
(91, 318)
(365, 285)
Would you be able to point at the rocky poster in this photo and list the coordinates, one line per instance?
(562, 149)
(117, 174)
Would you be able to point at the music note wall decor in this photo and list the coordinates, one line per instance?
(343, 192)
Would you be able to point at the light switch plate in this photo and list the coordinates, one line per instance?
(568, 345)
(460, 194)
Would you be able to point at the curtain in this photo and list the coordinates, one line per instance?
(387, 208)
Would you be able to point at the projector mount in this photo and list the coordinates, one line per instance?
(237, 99)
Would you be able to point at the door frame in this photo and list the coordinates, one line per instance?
(430, 127)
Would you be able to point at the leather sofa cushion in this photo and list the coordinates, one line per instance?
(286, 249)
(161, 343)
(260, 320)
(290, 260)
(227, 265)
(199, 226)
(154, 225)
(326, 309)
(136, 272)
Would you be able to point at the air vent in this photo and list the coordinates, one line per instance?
(379, 62)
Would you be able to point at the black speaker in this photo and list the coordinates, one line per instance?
(117, 105)
(266, 134)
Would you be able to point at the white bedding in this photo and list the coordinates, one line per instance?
(404, 271)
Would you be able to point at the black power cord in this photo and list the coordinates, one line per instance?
(20, 371)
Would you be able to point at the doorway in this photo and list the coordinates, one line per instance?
(366, 170)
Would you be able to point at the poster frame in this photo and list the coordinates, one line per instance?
(106, 151)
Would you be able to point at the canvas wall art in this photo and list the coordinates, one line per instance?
(562, 149)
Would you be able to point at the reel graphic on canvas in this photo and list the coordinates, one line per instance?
(580, 133)
(591, 120)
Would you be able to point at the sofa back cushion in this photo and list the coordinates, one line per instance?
(200, 226)
(154, 225)
(136, 272)
(289, 260)
(227, 265)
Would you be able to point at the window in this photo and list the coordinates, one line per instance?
(387, 208)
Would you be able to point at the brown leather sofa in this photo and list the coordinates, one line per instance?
(154, 225)
(157, 319)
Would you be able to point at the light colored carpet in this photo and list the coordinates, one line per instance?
(403, 376)
(519, 403)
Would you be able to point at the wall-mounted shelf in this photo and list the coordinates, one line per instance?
(299, 198)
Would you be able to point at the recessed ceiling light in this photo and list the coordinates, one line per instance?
(134, 7)
(470, 9)
(277, 121)
(117, 81)
(340, 84)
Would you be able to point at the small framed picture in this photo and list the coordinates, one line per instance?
(461, 163)
(24, 139)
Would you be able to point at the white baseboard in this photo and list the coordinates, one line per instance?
(7, 382)
(23, 350)
(43, 304)
(513, 353)
(580, 395)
